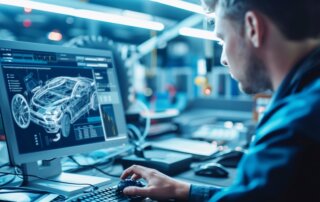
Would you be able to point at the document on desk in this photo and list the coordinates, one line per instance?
(196, 148)
(25, 197)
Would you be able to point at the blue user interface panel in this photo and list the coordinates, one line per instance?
(59, 100)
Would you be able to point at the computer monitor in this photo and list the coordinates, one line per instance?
(58, 101)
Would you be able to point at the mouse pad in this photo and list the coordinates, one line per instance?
(220, 182)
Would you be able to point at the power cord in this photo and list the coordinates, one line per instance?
(148, 120)
(4, 175)
(5, 165)
(8, 181)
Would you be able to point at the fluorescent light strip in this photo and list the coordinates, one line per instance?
(198, 33)
(182, 5)
(137, 15)
(87, 14)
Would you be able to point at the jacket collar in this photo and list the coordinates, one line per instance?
(303, 73)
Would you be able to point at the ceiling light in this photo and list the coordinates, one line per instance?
(137, 15)
(198, 33)
(87, 14)
(27, 10)
(182, 5)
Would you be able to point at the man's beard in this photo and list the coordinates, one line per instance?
(256, 77)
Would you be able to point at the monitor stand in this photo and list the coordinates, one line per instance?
(52, 170)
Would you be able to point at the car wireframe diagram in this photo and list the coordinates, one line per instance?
(57, 104)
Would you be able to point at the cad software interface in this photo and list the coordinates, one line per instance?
(60, 100)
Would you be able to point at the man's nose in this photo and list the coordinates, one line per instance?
(223, 58)
(223, 61)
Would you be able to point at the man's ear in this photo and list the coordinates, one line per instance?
(254, 28)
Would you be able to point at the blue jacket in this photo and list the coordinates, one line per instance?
(283, 161)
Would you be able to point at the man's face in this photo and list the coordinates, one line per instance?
(239, 55)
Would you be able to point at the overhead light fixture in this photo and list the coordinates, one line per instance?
(137, 15)
(182, 5)
(27, 10)
(87, 14)
(198, 33)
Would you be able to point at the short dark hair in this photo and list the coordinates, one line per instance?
(296, 19)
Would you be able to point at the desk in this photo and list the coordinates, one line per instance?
(187, 176)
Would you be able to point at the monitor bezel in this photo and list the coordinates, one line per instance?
(15, 156)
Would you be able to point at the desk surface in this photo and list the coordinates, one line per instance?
(187, 176)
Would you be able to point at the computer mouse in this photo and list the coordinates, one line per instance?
(212, 170)
(231, 159)
(128, 182)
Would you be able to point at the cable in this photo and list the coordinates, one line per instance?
(4, 175)
(148, 120)
(4, 165)
(102, 171)
(93, 166)
(136, 133)
(8, 181)
(141, 137)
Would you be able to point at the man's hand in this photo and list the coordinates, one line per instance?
(160, 186)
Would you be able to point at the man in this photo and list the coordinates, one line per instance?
(268, 45)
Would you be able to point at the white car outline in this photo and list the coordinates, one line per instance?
(60, 103)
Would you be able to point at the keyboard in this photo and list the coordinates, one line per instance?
(106, 194)
(216, 132)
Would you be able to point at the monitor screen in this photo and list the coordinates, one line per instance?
(58, 101)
